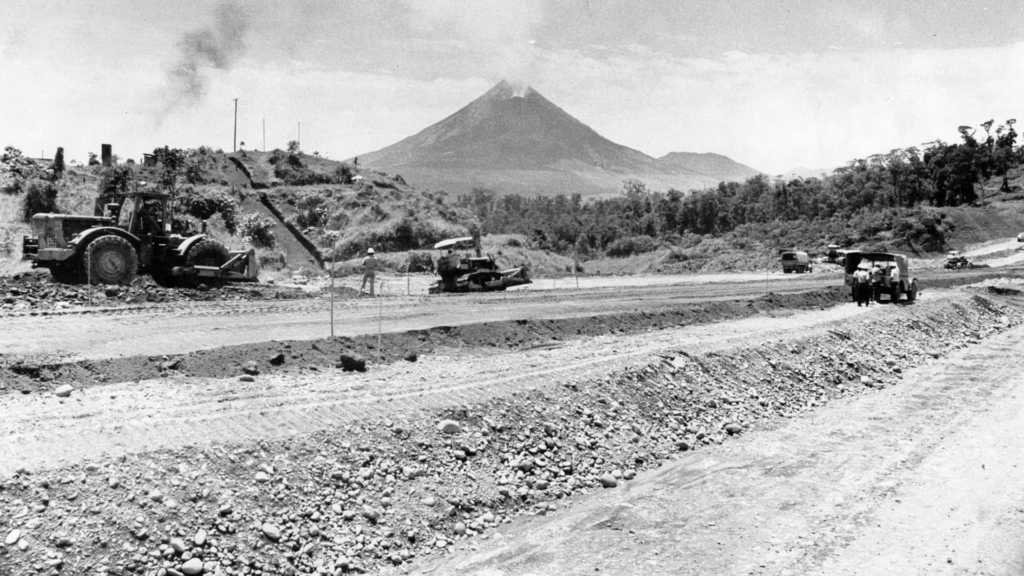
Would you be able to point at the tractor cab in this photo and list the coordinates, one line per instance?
(142, 214)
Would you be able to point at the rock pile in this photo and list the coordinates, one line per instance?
(35, 291)
(385, 492)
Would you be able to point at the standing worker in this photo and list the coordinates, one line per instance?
(876, 280)
(894, 280)
(369, 272)
(861, 288)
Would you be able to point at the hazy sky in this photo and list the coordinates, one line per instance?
(774, 84)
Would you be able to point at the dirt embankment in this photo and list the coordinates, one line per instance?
(34, 373)
(384, 492)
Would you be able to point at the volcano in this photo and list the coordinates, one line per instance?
(514, 140)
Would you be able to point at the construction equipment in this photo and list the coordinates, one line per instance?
(796, 261)
(955, 260)
(886, 262)
(472, 274)
(132, 237)
(832, 254)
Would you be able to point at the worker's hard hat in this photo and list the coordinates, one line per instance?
(369, 251)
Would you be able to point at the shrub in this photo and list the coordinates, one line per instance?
(204, 204)
(40, 197)
(258, 230)
(420, 262)
(343, 175)
(271, 259)
(312, 212)
(632, 245)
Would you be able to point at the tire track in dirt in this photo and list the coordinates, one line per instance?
(179, 410)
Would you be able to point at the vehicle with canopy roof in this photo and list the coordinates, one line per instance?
(468, 273)
(886, 285)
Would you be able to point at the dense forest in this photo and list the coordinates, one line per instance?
(884, 191)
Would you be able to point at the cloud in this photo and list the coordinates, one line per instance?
(779, 111)
(499, 33)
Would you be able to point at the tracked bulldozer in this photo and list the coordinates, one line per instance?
(132, 237)
(478, 273)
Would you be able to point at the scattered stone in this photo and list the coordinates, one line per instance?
(449, 427)
(271, 532)
(246, 379)
(351, 363)
(251, 368)
(733, 429)
(262, 476)
(459, 529)
(411, 357)
(371, 514)
(179, 545)
(192, 567)
(12, 537)
(277, 359)
(63, 391)
(156, 496)
(608, 481)
(200, 538)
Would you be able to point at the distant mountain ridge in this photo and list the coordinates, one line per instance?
(709, 164)
(513, 139)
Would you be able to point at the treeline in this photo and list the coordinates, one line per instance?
(640, 219)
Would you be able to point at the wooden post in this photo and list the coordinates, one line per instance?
(380, 321)
(333, 256)
(88, 271)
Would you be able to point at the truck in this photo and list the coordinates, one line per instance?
(956, 260)
(905, 285)
(132, 237)
(795, 261)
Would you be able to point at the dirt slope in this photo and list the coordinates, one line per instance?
(922, 478)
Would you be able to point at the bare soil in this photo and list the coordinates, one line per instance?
(921, 478)
(553, 391)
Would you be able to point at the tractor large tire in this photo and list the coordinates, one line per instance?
(112, 260)
(205, 253)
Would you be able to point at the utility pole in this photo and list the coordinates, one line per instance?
(234, 145)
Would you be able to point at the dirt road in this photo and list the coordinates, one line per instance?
(164, 329)
(923, 478)
(119, 418)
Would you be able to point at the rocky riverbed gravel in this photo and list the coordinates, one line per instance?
(35, 291)
(378, 495)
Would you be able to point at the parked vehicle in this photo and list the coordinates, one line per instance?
(795, 261)
(906, 285)
(834, 254)
(956, 260)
